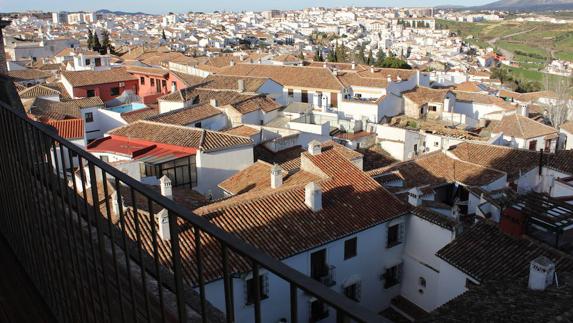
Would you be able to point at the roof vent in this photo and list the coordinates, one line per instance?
(276, 176)
(314, 148)
(415, 196)
(214, 103)
(232, 63)
(313, 196)
(166, 189)
(541, 272)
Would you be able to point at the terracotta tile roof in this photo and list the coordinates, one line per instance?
(278, 221)
(423, 95)
(132, 116)
(526, 97)
(353, 78)
(28, 74)
(289, 159)
(484, 99)
(257, 178)
(243, 130)
(435, 218)
(242, 102)
(69, 128)
(437, 168)
(180, 136)
(47, 109)
(300, 77)
(510, 301)
(186, 116)
(510, 160)
(38, 90)
(485, 253)
(522, 127)
(286, 58)
(229, 82)
(147, 70)
(468, 87)
(188, 79)
(83, 78)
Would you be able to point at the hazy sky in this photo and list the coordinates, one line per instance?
(164, 6)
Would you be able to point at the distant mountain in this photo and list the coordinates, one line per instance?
(449, 6)
(529, 5)
(121, 13)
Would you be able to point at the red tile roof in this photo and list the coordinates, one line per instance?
(69, 128)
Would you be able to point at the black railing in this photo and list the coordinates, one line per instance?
(87, 235)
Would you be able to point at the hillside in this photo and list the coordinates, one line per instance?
(529, 4)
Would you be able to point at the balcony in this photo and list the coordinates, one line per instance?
(91, 257)
(329, 277)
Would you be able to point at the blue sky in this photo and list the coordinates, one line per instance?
(164, 6)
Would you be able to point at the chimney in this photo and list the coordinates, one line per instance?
(353, 65)
(313, 196)
(541, 272)
(314, 148)
(3, 64)
(324, 65)
(398, 78)
(214, 103)
(524, 110)
(415, 197)
(163, 224)
(173, 87)
(276, 176)
(241, 85)
(371, 69)
(418, 75)
(389, 78)
(165, 184)
(232, 63)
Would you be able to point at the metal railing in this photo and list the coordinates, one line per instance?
(95, 259)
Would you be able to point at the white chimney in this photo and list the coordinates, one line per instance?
(313, 196)
(418, 75)
(541, 273)
(232, 63)
(353, 65)
(214, 103)
(241, 85)
(276, 176)
(398, 78)
(324, 64)
(415, 196)
(389, 78)
(163, 225)
(371, 69)
(524, 110)
(314, 148)
(165, 184)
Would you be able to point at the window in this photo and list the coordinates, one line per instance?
(174, 85)
(318, 311)
(114, 91)
(290, 93)
(392, 276)
(422, 282)
(89, 117)
(142, 80)
(88, 61)
(350, 248)
(197, 124)
(433, 108)
(164, 83)
(142, 170)
(547, 145)
(263, 289)
(395, 235)
(436, 144)
(152, 81)
(533, 145)
(90, 93)
(104, 158)
(353, 291)
(98, 61)
(304, 96)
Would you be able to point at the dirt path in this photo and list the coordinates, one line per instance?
(505, 52)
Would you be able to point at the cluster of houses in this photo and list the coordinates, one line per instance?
(476, 185)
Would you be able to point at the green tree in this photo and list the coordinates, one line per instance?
(380, 57)
(90, 39)
(106, 43)
(341, 53)
(370, 59)
(360, 57)
(301, 55)
(96, 44)
(163, 35)
(393, 62)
